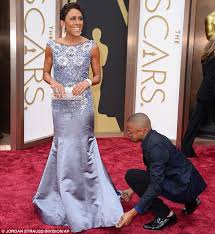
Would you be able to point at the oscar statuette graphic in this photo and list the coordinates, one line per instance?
(102, 122)
(208, 128)
(110, 33)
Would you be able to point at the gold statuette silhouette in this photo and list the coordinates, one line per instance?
(103, 123)
(210, 25)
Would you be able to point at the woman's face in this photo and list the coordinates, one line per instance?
(74, 22)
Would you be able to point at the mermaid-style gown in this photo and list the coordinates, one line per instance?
(75, 189)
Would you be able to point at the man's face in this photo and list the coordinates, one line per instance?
(134, 133)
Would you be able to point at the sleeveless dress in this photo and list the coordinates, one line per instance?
(75, 189)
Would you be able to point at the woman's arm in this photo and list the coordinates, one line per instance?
(57, 88)
(95, 64)
(47, 66)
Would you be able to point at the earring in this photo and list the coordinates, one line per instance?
(63, 31)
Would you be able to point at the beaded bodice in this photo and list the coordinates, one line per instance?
(71, 65)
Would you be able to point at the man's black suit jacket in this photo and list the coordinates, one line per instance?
(172, 175)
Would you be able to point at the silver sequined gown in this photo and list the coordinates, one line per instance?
(75, 189)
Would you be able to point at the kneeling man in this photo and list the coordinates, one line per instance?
(169, 174)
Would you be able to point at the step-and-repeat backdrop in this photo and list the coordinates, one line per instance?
(39, 27)
(159, 63)
(158, 70)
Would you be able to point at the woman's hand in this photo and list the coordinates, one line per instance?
(80, 88)
(58, 89)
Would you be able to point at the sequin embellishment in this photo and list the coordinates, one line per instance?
(71, 66)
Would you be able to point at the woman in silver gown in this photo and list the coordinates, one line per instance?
(75, 189)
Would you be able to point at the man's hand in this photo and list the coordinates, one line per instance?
(127, 194)
(126, 218)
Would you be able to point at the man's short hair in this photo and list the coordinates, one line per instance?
(141, 120)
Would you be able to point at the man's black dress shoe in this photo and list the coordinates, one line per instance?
(159, 223)
(191, 207)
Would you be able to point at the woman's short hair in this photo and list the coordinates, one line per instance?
(67, 7)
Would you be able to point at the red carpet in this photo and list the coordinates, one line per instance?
(20, 173)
